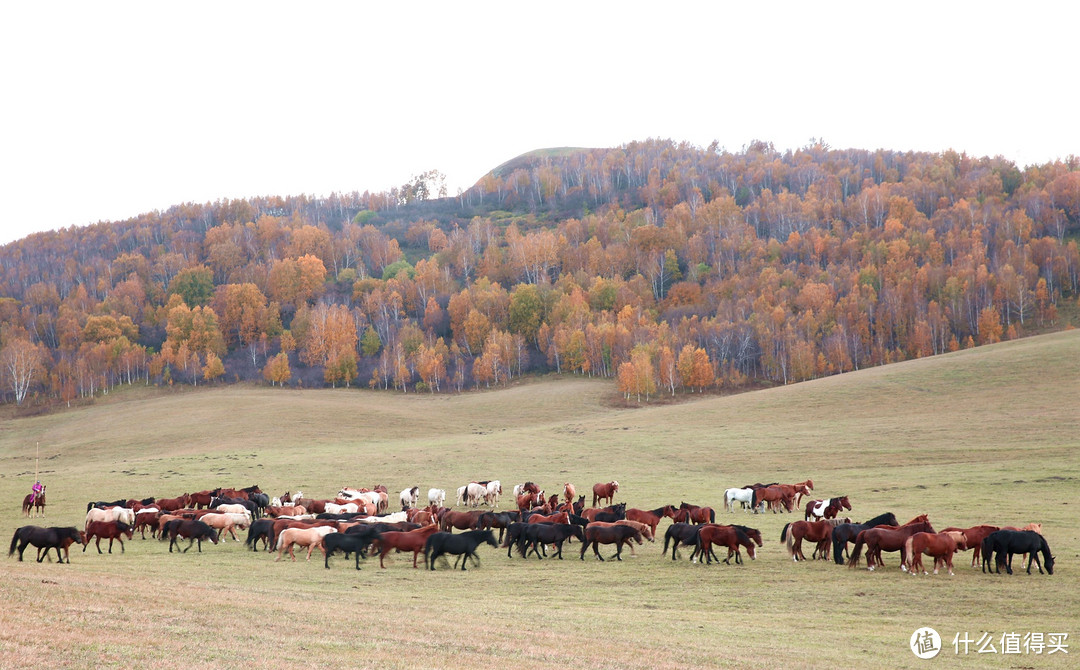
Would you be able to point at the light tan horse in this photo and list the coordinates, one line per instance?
(225, 523)
(305, 537)
(569, 492)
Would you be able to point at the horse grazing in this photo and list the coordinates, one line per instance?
(54, 537)
(464, 544)
(881, 539)
(731, 537)
(113, 530)
(941, 546)
(305, 537)
(815, 531)
(190, 529)
(34, 504)
(1009, 542)
(817, 510)
(601, 492)
(847, 532)
(541, 534)
(616, 534)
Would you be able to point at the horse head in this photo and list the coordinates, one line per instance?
(844, 503)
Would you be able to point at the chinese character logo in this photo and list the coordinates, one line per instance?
(925, 643)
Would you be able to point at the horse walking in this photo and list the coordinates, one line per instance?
(55, 537)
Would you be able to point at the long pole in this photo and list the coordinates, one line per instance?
(37, 458)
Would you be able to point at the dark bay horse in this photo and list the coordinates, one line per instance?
(113, 530)
(847, 532)
(463, 544)
(617, 535)
(55, 537)
(877, 540)
(34, 504)
(189, 529)
(681, 533)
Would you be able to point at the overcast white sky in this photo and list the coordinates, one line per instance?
(109, 110)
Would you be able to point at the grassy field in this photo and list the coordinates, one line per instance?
(981, 436)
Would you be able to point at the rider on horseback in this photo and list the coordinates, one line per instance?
(38, 489)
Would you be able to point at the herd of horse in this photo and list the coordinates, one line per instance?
(356, 522)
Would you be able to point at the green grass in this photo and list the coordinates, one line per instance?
(981, 436)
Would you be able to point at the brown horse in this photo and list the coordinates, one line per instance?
(731, 537)
(801, 489)
(650, 517)
(941, 546)
(460, 520)
(173, 504)
(113, 530)
(561, 517)
(604, 492)
(201, 498)
(526, 501)
(973, 538)
(774, 496)
(884, 538)
(412, 540)
(617, 535)
(815, 531)
(34, 504)
(643, 528)
(144, 520)
(569, 492)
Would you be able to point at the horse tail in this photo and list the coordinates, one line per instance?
(789, 540)
(754, 499)
(909, 552)
(783, 533)
(856, 552)
(712, 515)
(14, 541)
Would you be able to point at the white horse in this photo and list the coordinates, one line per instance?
(396, 517)
(234, 509)
(491, 495)
(461, 494)
(349, 493)
(111, 514)
(740, 495)
(275, 502)
(475, 494)
(436, 497)
(409, 497)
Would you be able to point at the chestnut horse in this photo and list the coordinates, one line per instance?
(973, 538)
(650, 517)
(604, 492)
(113, 530)
(569, 492)
(801, 489)
(460, 520)
(941, 546)
(775, 496)
(884, 538)
(815, 531)
(731, 537)
(412, 540)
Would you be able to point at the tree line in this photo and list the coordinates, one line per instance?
(663, 266)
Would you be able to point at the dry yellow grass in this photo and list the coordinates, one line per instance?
(987, 435)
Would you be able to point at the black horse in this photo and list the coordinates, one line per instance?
(463, 544)
(1009, 542)
(847, 532)
(54, 537)
(101, 503)
(500, 520)
(355, 543)
(681, 533)
(541, 534)
(263, 529)
(189, 529)
(513, 534)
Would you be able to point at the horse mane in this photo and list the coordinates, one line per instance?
(922, 518)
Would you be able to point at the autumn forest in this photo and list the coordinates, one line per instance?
(666, 267)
